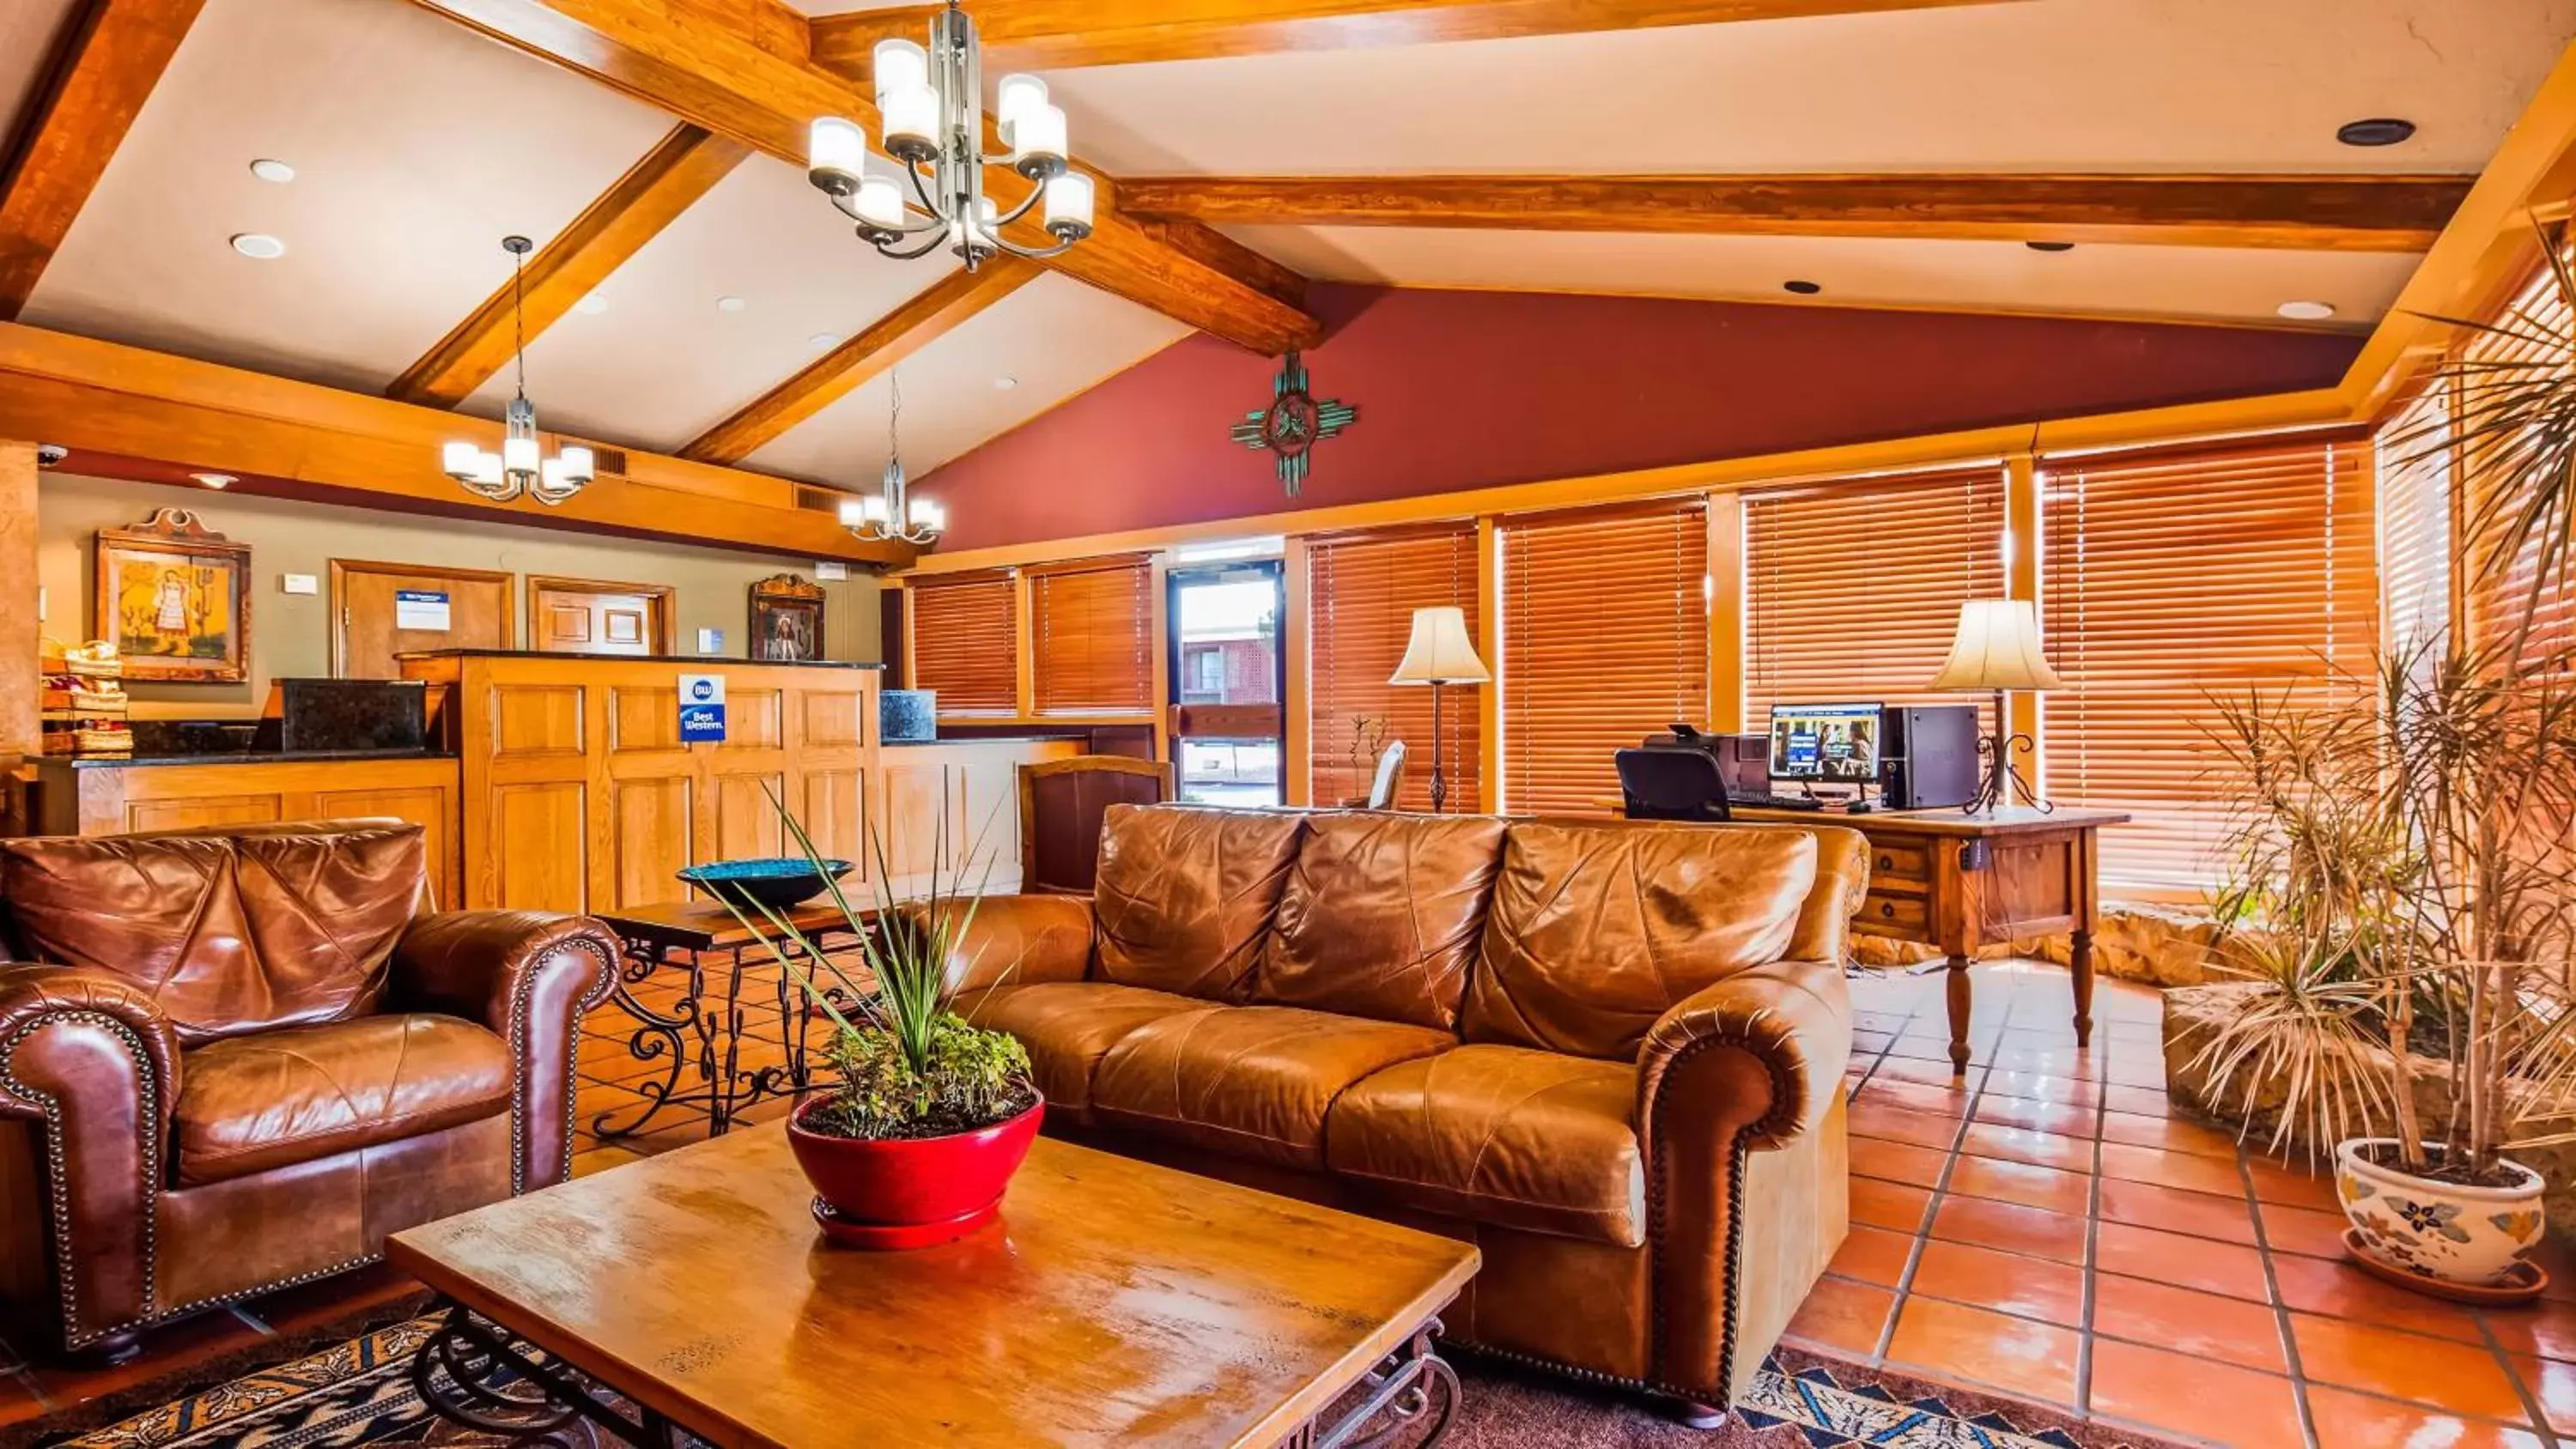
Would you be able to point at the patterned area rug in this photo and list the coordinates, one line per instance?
(360, 1392)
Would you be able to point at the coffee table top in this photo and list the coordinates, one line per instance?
(707, 925)
(1116, 1302)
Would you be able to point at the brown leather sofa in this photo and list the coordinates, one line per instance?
(246, 1060)
(1611, 1055)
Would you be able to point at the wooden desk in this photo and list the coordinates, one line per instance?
(1956, 882)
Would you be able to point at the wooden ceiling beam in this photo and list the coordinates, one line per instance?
(722, 68)
(845, 369)
(111, 56)
(1061, 34)
(2317, 213)
(684, 166)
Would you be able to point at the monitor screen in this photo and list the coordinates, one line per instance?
(1834, 743)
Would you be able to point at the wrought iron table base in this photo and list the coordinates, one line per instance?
(707, 1035)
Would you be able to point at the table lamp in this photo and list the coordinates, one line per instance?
(1997, 649)
(1440, 653)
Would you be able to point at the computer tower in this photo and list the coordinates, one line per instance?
(1927, 756)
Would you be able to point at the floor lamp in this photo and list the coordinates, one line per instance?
(1440, 653)
(1997, 649)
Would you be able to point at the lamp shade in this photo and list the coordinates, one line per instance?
(1997, 648)
(1440, 651)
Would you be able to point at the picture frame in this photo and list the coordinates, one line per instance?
(786, 619)
(173, 596)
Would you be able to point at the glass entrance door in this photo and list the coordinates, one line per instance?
(1228, 678)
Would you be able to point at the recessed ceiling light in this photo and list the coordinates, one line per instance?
(215, 480)
(2050, 246)
(1005, 383)
(2306, 311)
(2375, 131)
(277, 171)
(591, 305)
(822, 340)
(730, 304)
(259, 246)
(1803, 289)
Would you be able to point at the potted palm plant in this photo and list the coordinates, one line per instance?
(928, 1115)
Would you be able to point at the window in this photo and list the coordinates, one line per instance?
(2178, 578)
(1852, 590)
(2415, 477)
(2505, 597)
(1091, 633)
(1605, 641)
(964, 643)
(1361, 591)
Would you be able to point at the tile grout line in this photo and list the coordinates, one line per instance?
(2280, 1304)
(2092, 1244)
(2513, 1376)
(1940, 1187)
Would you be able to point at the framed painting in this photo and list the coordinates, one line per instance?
(173, 596)
(786, 619)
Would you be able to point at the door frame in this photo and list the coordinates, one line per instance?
(342, 568)
(1180, 576)
(666, 623)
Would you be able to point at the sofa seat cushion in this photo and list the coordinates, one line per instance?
(251, 1103)
(1068, 1026)
(1500, 1135)
(1248, 1081)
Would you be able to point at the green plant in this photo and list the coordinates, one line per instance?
(908, 1064)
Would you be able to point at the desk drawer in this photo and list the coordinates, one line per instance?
(1899, 861)
(1888, 915)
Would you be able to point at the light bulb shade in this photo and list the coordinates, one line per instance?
(1440, 651)
(1068, 201)
(920, 511)
(579, 464)
(911, 114)
(872, 509)
(487, 469)
(880, 202)
(557, 477)
(900, 65)
(1017, 95)
(519, 455)
(836, 150)
(854, 511)
(461, 461)
(1038, 133)
(1997, 647)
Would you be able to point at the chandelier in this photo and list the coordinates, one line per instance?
(519, 467)
(888, 517)
(932, 106)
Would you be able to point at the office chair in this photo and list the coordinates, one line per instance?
(1672, 783)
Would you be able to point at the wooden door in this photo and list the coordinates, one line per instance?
(372, 617)
(587, 616)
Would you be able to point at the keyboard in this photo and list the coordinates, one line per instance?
(1776, 802)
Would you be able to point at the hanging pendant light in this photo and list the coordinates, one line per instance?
(520, 466)
(889, 516)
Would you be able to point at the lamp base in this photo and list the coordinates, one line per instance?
(2004, 784)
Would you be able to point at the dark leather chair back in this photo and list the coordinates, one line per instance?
(1671, 783)
(1061, 805)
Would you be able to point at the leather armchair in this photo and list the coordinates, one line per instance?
(241, 1061)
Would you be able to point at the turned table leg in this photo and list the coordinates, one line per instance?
(2080, 965)
(1958, 984)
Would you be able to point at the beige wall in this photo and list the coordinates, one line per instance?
(290, 633)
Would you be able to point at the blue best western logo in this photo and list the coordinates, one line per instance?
(702, 709)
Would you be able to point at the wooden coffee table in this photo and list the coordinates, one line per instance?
(1115, 1302)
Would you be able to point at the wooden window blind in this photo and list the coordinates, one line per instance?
(965, 643)
(1852, 590)
(2415, 554)
(1361, 591)
(1604, 641)
(2506, 598)
(1091, 635)
(2175, 580)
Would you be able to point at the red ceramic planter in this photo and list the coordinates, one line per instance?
(910, 1193)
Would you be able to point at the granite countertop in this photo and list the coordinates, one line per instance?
(246, 757)
(712, 662)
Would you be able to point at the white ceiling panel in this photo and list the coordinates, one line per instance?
(1052, 338)
(662, 360)
(2151, 283)
(417, 145)
(2158, 85)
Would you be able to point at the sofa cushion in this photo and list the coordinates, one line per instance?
(1184, 895)
(1500, 1135)
(251, 1103)
(1068, 1026)
(1248, 1081)
(1595, 931)
(228, 934)
(1380, 916)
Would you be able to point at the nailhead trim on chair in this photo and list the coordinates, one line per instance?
(56, 1166)
(572, 1048)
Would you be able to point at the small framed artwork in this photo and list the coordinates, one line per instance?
(786, 619)
(174, 597)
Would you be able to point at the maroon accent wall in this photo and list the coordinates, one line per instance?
(1473, 389)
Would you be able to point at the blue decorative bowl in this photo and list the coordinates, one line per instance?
(778, 883)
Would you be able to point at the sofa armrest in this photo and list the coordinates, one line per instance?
(529, 976)
(1015, 940)
(90, 1056)
(1793, 1018)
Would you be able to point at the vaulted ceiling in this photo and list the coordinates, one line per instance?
(691, 294)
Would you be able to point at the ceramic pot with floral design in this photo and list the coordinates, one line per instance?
(2471, 1236)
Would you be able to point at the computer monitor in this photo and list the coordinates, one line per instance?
(1835, 744)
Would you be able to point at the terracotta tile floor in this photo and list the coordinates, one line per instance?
(2045, 1226)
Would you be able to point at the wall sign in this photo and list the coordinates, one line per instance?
(424, 609)
(702, 709)
(1293, 423)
